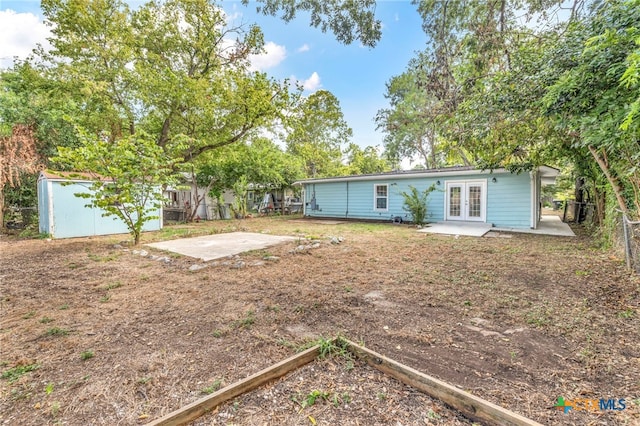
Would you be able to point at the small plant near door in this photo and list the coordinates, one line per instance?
(415, 202)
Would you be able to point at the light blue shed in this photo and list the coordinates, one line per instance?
(63, 215)
(466, 194)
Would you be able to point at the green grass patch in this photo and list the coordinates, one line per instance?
(86, 355)
(103, 258)
(56, 331)
(626, 314)
(214, 387)
(48, 389)
(113, 285)
(13, 374)
(247, 321)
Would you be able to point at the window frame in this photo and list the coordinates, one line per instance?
(376, 197)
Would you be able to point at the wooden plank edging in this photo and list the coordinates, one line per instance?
(470, 405)
(200, 407)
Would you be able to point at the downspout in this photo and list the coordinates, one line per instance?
(346, 214)
(50, 207)
(534, 197)
(304, 200)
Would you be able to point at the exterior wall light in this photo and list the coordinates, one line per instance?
(494, 180)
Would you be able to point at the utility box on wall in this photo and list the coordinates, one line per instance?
(63, 215)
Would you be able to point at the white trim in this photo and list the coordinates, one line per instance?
(50, 207)
(534, 200)
(375, 197)
(409, 175)
(464, 198)
(303, 197)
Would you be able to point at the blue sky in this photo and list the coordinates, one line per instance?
(354, 74)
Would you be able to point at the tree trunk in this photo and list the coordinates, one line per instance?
(613, 181)
(579, 196)
(1, 208)
(600, 201)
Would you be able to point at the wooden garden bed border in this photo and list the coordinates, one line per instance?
(471, 406)
(202, 406)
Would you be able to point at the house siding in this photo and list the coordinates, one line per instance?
(508, 199)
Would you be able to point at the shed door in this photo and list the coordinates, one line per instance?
(466, 200)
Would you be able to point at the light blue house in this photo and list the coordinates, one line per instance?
(496, 197)
(63, 215)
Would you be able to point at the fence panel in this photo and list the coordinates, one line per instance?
(631, 231)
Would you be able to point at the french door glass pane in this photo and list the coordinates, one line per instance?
(475, 200)
(454, 201)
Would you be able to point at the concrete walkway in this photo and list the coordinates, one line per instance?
(210, 247)
(549, 225)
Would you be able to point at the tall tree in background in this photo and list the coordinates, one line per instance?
(411, 123)
(25, 109)
(363, 161)
(592, 98)
(18, 156)
(171, 68)
(318, 132)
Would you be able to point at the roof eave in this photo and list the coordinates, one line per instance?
(403, 175)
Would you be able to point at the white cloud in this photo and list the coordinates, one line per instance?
(304, 48)
(234, 16)
(396, 17)
(272, 56)
(312, 83)
(19, 34)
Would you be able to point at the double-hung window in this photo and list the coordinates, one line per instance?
(381, 197)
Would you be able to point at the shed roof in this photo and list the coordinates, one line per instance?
(71, 176)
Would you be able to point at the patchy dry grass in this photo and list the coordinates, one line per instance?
(518, 321)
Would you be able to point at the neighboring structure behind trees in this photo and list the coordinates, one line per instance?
(260, 199)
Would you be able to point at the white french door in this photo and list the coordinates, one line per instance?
(466, 200)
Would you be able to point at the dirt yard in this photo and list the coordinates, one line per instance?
(95, 332)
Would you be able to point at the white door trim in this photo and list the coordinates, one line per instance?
(465, 185)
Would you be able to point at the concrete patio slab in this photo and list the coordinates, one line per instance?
(210, 247)
(458, 228)
(548, 225)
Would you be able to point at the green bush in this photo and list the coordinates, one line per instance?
(415, 202)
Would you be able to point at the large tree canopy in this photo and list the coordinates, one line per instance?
(594, 95)
(348, 20)
(175, 69)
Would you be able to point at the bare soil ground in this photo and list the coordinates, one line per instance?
(95, 333)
